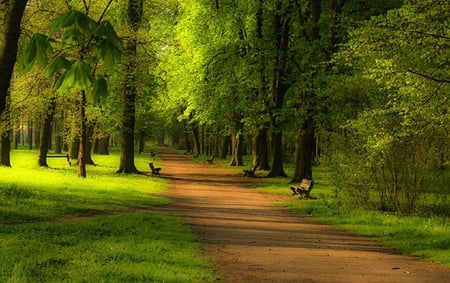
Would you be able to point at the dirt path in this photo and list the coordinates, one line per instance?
(251, 240)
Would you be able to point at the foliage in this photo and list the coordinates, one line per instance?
(397, 61)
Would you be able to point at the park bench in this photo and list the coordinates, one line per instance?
(250, 172)
(304, 189)
(155, 170)
(210, 160)
(66, 156)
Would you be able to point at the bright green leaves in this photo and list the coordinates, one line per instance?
(72, 51)
(37, 50)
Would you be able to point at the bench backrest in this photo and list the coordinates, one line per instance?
(305, 183)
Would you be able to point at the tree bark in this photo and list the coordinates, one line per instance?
(45, 135)
(280, 85)
(8, 55)
(83, 137)
(195, 140)
(305, 145)
(260, 154)
(134, 10)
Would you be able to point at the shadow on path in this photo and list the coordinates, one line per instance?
(252, 240)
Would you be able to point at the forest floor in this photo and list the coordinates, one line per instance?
(249, 239)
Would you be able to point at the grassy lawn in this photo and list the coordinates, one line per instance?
(56, 227)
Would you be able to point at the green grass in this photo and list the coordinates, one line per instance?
(56, 227)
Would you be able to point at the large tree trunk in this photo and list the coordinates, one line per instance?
(280, 87)
(135, 8)
(304, 152)
(8, 54)
(225, 147)
(45, 135)
(260, 152)
(89, 144)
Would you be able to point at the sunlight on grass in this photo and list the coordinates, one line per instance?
(56, 227)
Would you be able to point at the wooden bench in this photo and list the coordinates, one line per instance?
(250, 172)
(304, 189)
(155, 170)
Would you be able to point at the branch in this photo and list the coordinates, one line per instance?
(429, 77)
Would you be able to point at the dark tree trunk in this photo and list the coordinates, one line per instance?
(134, 10)
(45, 136)
(141, 142)
(187, 140)
(83, 147)
(304, 152)
(103, 145)
(74, 147)
(8, 54)
(280, 87)
(225, 147)
(89, 144)
(305, 145)
(260, 150)
(195, 140)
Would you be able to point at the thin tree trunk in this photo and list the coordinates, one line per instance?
(83, 137)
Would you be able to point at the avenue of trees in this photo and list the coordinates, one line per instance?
(360, 85)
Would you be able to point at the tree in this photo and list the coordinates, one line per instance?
(80, 43)
(13, 11)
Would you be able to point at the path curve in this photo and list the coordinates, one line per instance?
(251, 240)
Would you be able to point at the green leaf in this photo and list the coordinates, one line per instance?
(106, 30)
(100, 89)
(38, 50)
(109, 52)
(56, 65)
(78, 76)
(65, 20)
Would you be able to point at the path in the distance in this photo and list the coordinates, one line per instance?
(251, 240)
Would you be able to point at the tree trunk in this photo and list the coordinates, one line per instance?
(89, 144)
(225, 147)
(134, 11)
(103, 145)
(45, 135)
(260, 153)
(304, 152)
(237, 144)
(195, 140)
(8, 54)
(74, 147)
(305, 145)
(280, 87)
(83, 137)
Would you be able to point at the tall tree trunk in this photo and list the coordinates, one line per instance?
(134, 10)
(280, 87)
(305, 145)
(45, 134)
(8, 54)
(83, 137)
